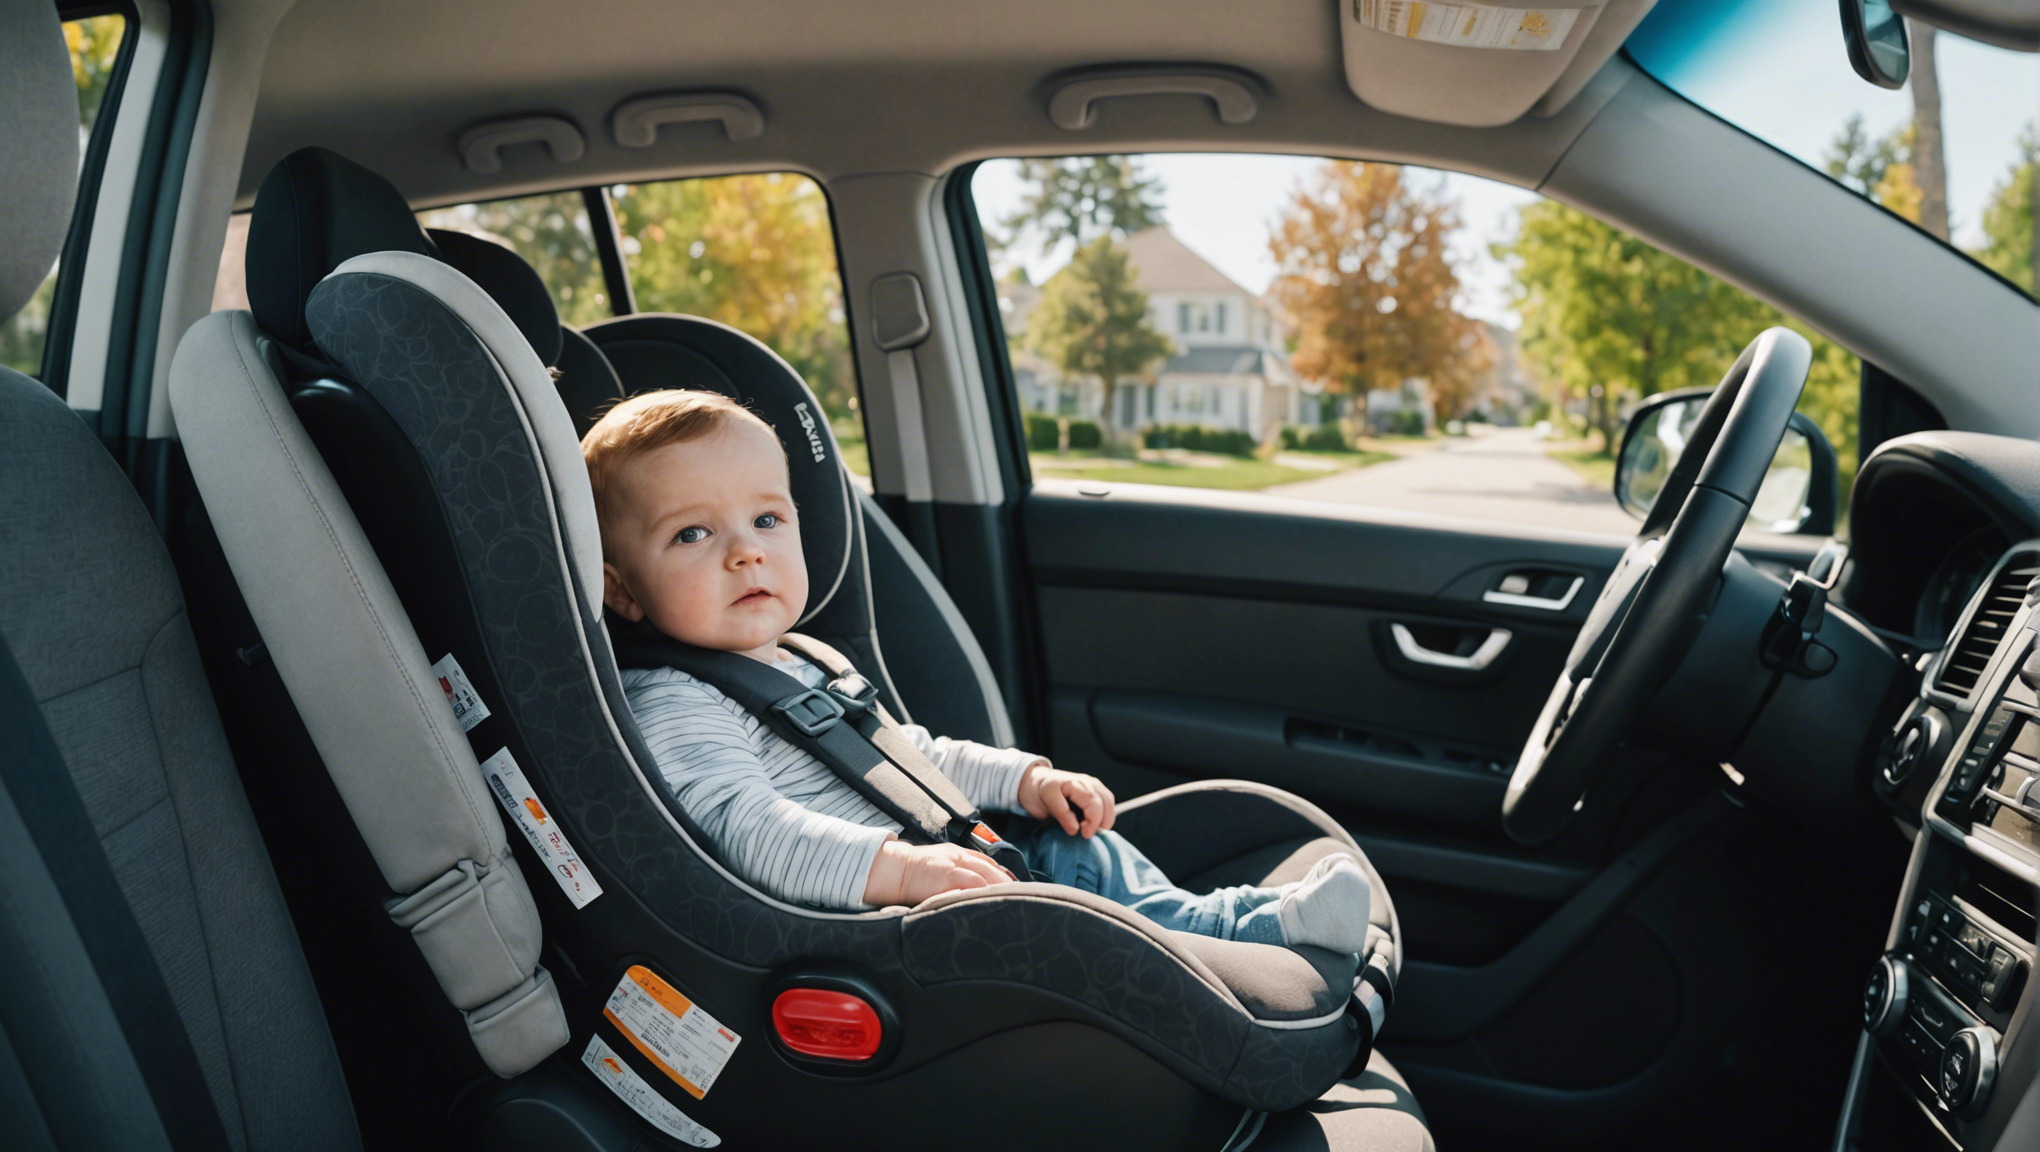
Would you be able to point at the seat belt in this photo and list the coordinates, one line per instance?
(843, 725)
(33, 771)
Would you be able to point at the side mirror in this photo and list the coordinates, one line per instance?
(1798, 493)
(1879, 48)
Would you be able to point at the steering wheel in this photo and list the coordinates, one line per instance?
(1659, 595)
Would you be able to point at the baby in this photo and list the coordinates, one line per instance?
(701, 541)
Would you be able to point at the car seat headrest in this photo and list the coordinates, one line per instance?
(514, 285)
(314, 211)
(652, 350)
(39, 149)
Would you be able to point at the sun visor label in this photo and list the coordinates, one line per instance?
(1469, 25)
(514, 792)
(673, 1032)
(643, 1099)
(467, 704)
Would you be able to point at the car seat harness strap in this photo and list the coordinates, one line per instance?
(843, 725)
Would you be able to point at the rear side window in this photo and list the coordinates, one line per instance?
(553, 234)
(95, 49)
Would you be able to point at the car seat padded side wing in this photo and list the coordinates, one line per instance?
(365, 690)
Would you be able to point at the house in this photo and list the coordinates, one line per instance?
(1229, 369)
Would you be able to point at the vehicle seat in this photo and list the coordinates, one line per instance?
(994, 998)
(155, 994)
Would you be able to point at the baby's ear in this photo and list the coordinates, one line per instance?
(616, 594)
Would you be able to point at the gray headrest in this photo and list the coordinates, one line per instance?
(38, 150)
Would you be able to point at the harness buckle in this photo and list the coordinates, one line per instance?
(854, 693)
(813, 711)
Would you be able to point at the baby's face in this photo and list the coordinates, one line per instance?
(702, 542)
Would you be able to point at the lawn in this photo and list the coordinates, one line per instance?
(1596, 467)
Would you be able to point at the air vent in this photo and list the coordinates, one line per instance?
(1963, 667)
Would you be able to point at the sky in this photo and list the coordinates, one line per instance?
(1781, 73)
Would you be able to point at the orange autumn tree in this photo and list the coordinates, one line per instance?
(1364, 276)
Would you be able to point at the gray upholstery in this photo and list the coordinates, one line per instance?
(39, 149)
(1372, 1112)
(90, 607)
(365, 690)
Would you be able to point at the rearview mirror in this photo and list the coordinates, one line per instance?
(1879, 49)
(1798, 492)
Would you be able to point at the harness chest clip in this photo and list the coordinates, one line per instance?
(813, 712)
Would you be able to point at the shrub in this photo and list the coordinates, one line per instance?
(1085, 434)
(1197, 438)
(1041, 433)
(1325, 438)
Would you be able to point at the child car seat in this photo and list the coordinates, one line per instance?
(440, 441)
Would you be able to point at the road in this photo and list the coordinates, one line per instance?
(1502, 474)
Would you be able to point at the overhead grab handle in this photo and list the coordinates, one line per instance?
(1073, 106)
(635, 123)
(481, 147)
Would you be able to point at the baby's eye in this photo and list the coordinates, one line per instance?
(768, 520)
(692, 534)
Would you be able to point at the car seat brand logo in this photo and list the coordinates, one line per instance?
(814, 435)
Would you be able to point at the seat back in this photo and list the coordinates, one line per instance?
(136, 831)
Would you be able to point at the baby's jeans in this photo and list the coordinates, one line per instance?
(1110, 866)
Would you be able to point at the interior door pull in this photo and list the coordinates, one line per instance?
(1515, 599)
(1415, 653)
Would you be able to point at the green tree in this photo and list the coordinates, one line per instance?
(1092, 321)
(1608, 317)
(1860, 162)
(1078, 198)
(1365, 277)
(2011, 246)
(755, 252)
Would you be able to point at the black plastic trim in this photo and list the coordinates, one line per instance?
(609, 249)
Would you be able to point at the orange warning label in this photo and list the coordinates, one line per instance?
(673, 1032)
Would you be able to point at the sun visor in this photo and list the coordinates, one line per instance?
(1478, 64)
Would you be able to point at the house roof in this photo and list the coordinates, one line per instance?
(1217, 360)
(1166, 264)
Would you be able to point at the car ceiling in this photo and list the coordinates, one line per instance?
(847, 88)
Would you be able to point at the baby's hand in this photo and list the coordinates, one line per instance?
(1081, 804)
(910, 873)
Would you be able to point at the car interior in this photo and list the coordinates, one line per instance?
(340, 832)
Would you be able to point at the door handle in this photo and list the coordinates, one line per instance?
(1512, 595)
(1415, 653)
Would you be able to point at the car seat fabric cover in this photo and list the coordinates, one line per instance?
(38, 151)
(498, 445)
(89, 605)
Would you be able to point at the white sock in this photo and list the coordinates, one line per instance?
(1328, 907)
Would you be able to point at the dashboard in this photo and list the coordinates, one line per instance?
(1946, 565)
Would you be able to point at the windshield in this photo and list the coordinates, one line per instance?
(1953, 151)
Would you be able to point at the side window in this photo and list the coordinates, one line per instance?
(1389, 335)
(553, 234)
(95, 49)
(756, 252)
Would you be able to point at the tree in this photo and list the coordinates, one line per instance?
(1929, 164)
(1078, 198)
(1365, 278)
(754, 252)
(1880, 170)
(1092, 321)
(2011, 246)
(1607, 316)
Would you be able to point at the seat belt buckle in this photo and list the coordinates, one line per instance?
(813, 712)
(854, 693)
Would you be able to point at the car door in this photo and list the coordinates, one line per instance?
(1380, 641)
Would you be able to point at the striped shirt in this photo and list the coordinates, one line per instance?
(778, 816)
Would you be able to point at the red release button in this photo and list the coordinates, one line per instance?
(831, 1025)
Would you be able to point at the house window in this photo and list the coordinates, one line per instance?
(1219, 321)
(1204, 319)
(1182, 318)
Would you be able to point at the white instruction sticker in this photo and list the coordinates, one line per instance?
(672, 1031)
(1469, 25)
(514, 792)
(643, 1099)
(467, 704)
